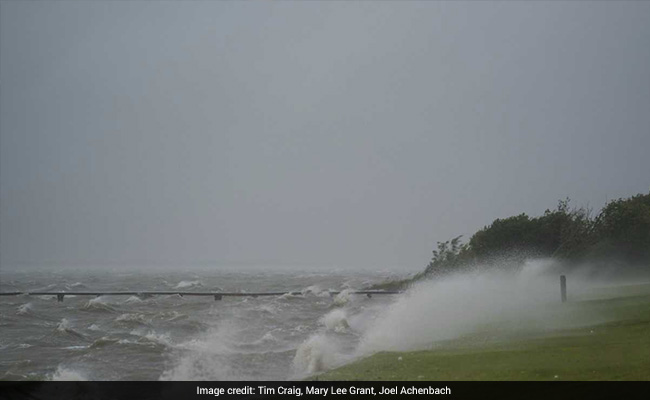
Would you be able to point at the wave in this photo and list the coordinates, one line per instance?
(429, 314)
(317, 354)
(98, 304)
(170, 316)
(76, 285)
(149, 338)
(25, 309)
(133, 300)
(188, 284)
(48, 288)
(65, 327)
(136, 318)
(336, 320)
(102, 342)
(256, 346)
(315, 290)
(67, 374)
(158, 338)
(75, 347)
(342, 298)
(290, 296)
(207, 357)
(268, 308)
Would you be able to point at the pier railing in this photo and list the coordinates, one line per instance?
(216, 295)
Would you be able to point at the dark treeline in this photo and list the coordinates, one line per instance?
(618, 235)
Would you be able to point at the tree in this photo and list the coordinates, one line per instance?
(622, 229)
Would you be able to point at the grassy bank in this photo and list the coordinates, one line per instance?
(607, 339)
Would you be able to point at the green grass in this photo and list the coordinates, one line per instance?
(612, 343)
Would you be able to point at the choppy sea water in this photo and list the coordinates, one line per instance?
(169, 337)
(182, 338)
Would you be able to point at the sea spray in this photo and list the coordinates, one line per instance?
(449, 307)
(336, 320)
(342, 298)
(64, 326)
(207, 357)
(67, 374)
(317, 354)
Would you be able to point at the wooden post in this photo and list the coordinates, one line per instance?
(59, 297)
(217, 297)
(563, 287)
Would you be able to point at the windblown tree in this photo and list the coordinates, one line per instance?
(621, 231)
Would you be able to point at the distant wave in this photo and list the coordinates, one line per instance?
(188, 284)
(65, 327)
(98, 304)
(24, 309)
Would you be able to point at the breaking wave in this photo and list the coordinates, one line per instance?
(317, 354)
(76, 285)
(24, 309)
(188, 284)
(64, 327)
(98, 304)
(133, 318)
(205, 358)
(336, 320)
(66, 374)
(342, 298)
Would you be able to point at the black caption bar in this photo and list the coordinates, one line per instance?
(323, 390)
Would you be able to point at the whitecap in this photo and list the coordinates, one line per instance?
(133, 317)
(75, 285)
(206, 357)
(170, 316)
(98, 304)
(24, 309)
(336, 320)
(268, 308)
(67, 374)
(342, 298)
(188, 284)
(316, 354)
(151, 337)
(65, 326)
(103, 341)
(75, 347)
(132, 300)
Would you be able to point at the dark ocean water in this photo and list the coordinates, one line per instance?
(181, 338)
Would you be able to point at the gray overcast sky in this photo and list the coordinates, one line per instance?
(323, 133)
